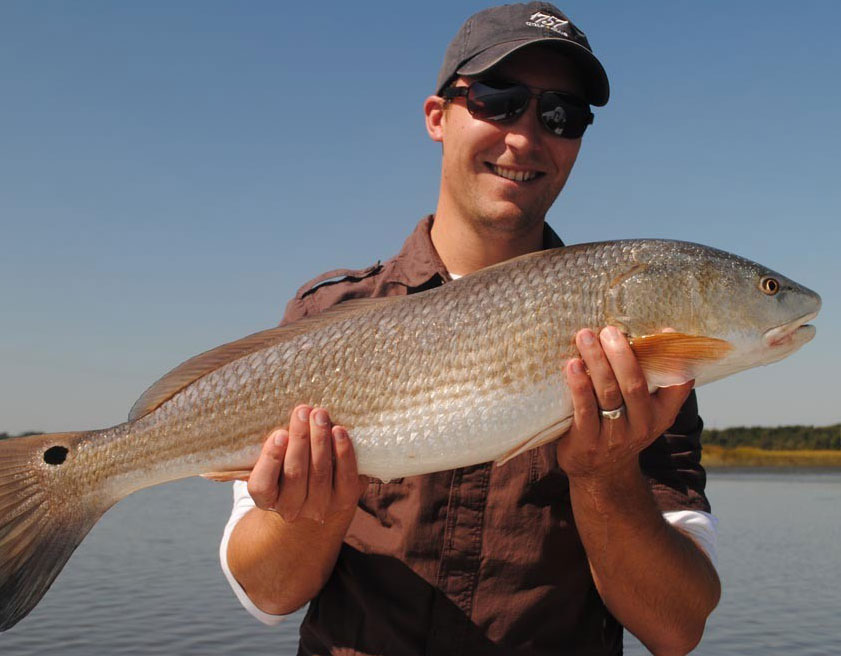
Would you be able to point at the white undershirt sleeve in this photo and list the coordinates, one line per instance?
(702, 527)
(242, 504)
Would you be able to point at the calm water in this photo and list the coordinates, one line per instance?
(146, 580)
(779, 556)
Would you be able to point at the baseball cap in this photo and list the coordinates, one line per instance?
(491, 35)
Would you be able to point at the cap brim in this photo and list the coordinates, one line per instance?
(594, 77)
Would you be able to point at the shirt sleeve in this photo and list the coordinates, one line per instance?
(672, 463)
(242, 504)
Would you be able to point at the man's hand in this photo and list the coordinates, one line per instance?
(600, 447)
(308, 471)
(652, 578)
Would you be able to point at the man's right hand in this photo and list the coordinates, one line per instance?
(308, 471)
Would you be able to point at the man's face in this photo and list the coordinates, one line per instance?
(480, 158)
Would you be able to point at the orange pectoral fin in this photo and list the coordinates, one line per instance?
(228, 476)
(675, 358)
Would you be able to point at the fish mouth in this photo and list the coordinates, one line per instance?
(792, 334)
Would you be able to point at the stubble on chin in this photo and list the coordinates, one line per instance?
(509, 224)
(510, 219)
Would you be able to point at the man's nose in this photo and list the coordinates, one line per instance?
(525, 131)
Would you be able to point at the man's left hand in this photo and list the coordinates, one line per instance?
(598, 447)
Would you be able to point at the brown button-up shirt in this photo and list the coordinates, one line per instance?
(477, 560)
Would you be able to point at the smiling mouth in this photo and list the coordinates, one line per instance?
(514, 174)
(797, 331)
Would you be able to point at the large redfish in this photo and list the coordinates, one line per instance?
(466, 373)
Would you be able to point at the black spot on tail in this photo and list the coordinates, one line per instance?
(55, 455)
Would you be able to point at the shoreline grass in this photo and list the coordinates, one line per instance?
(714, 456)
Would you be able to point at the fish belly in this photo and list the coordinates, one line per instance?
(465, 427)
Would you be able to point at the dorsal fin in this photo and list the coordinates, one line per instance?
(200, 365)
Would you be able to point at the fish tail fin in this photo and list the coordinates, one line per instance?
(43, 518)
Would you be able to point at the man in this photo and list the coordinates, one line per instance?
(558, 549)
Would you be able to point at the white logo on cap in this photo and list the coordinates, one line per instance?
(549, 22)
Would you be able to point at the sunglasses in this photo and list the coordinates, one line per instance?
(563, 114)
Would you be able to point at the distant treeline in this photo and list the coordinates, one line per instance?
(5, 435)
(778, 438)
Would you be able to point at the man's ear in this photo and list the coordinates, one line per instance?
(433, 109)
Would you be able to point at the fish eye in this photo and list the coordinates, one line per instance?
(769, 285)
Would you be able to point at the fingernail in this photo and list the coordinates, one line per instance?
(341, 434)
(303, 413)
(321, 418)
(576, 366)
(280, 438)
(611, 333)
(587, 337)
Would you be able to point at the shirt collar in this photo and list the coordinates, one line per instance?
(418, 262)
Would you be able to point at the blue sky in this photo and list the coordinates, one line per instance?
(172, 172)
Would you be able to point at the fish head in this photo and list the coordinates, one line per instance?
(700, 291)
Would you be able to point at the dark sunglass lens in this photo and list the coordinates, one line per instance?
(561, 116)
(492, 103)
(554, 117)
